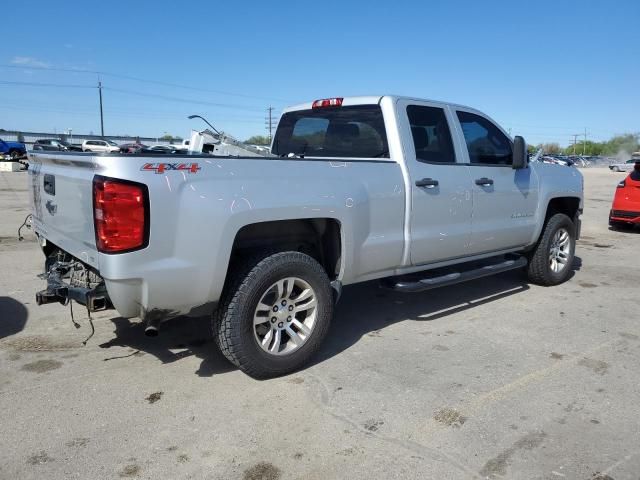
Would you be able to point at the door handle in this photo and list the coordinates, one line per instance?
(484, 181)
(427, 182)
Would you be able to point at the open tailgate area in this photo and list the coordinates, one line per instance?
(61, 190)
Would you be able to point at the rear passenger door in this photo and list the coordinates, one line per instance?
(440, 223)
(504, 199)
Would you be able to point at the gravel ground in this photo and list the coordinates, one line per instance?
(491, 379)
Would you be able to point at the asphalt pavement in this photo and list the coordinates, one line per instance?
(495, 378)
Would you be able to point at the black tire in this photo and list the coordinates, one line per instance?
(14, 155)
(233, 321)
(539, 269)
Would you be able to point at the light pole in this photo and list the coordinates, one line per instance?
(191, 117)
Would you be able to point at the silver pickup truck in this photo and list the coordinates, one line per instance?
(416, 193)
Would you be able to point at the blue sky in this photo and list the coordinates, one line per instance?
(543, 69)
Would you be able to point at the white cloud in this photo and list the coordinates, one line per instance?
(30, 62)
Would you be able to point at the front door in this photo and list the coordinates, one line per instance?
(440, 224)
(504, 199)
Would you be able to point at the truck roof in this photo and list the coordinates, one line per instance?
(371, 100)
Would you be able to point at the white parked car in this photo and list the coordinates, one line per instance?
(100, 146)
(183, 145)
(622, 166)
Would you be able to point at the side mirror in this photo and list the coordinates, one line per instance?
(519, 153)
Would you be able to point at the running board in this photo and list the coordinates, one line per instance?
(417, 282)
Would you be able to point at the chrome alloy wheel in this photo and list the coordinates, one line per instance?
(285, 316)
(560, 250)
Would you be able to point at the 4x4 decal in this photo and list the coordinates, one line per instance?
(164, 167)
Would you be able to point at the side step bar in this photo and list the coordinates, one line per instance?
(452, 275)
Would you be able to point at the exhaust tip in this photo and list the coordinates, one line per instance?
(151, 331)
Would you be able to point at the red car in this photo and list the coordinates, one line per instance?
(625, 210)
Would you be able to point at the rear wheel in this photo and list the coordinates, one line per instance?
(550, 262)
(274, 314)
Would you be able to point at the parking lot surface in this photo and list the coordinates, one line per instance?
(491, 379)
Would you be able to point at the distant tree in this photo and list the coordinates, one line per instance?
(551, 148)
(169, 137)
(258, 140)
(622, 144)
(589, 148)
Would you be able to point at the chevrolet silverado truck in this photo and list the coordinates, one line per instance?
(417, 194)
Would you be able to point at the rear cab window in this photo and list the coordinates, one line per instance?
(431, 136)
(355, 131)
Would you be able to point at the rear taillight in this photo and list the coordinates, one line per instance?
(327, 102)
(120, 215)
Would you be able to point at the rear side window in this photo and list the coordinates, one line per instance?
(431, 135)
(487, 145)
(353, 132)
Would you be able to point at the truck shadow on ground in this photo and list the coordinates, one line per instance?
(366, 309)
(363, 309)
(13, 316)
(179, 338)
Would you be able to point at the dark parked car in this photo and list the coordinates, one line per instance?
(161, 149)
(133, 148)
(58, 145)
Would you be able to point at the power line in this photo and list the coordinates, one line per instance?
(141, 94)
(35, 84)
(144, 80)
(110, 112)
(183, 100)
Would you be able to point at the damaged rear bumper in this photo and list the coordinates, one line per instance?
(61, 288)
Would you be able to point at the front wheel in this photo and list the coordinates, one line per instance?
(274, 315)
(551, 260)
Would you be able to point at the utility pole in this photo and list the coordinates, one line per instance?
(269, 122)
(584, 145)
(101, 116)
(575, 136)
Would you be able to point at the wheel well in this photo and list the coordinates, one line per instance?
(567, 205)
(317, 237)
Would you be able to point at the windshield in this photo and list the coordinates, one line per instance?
(353, 132)
(113, 144)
